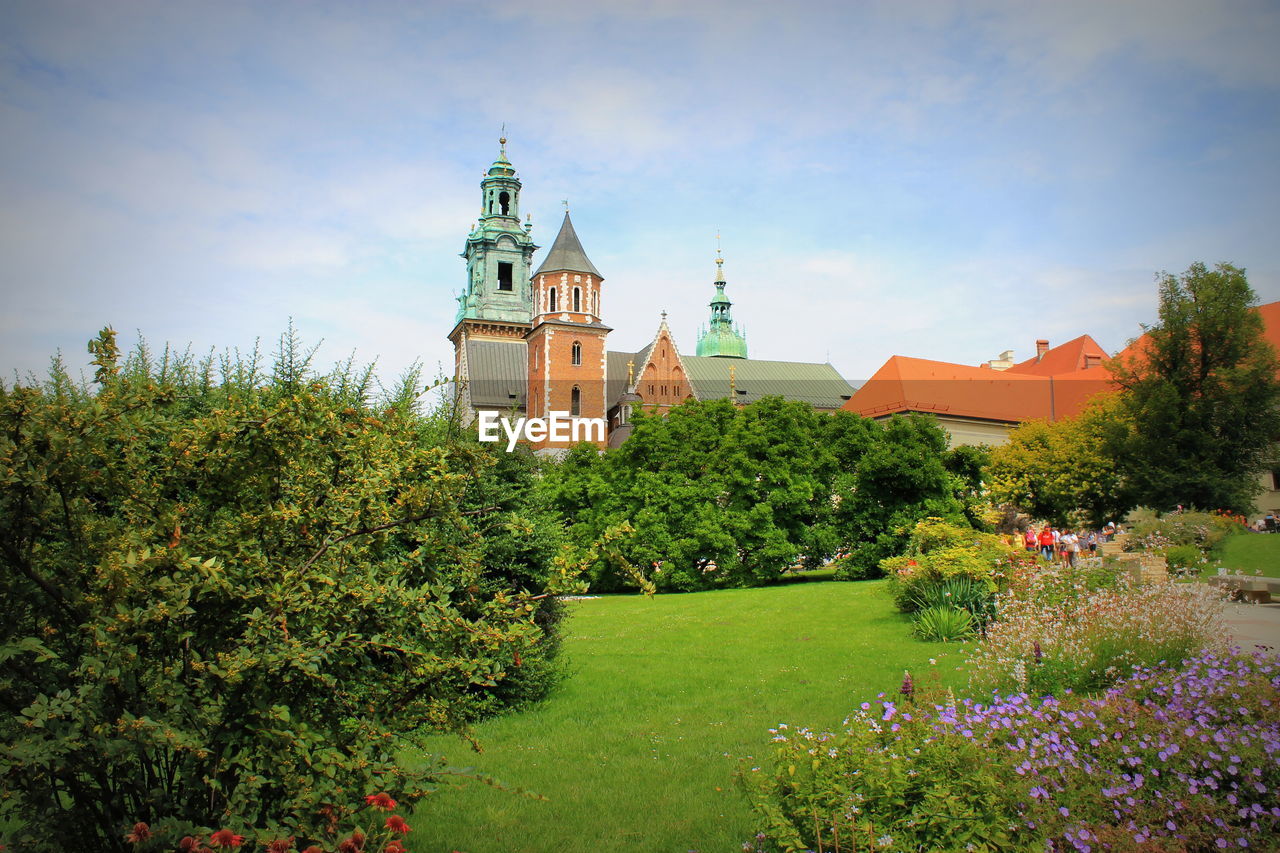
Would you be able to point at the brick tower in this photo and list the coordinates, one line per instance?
(567, 339)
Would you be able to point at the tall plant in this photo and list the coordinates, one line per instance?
(1202, 395)
(234, 593)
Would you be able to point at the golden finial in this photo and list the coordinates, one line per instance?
(631, 372)
(733, 384)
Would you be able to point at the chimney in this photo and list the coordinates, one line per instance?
(1042, 347)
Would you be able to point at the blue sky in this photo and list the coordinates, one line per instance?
(942, 180)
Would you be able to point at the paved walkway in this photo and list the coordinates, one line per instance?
(1254, 624)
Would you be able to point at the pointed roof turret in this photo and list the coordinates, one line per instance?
(566, 253)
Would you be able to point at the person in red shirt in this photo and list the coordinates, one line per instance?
(1046, 542)
(1030, 541)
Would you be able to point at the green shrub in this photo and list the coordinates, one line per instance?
(888, 781)
(1203, 530)
(937, 552)
(960, 592)
(1184, 556)
(244, 595)
(944, 623)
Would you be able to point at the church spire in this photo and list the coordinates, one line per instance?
(567, 253)
(722, 338)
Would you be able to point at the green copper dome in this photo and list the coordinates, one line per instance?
(722, 338)
(502, 166)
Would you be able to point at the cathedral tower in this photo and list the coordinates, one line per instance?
(496, 304)
(721, 339)
(567, 341)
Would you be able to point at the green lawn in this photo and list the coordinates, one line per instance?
(1251, 552)
(636, 751)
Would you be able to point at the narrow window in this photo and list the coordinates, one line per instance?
(491, 202)
(551, 300)
(504, 275)
(596, 295)
(664, 390)
(650, 390)
(677, 391)
(504, 203)
(577, 353)
(575, 402)
(577, 299)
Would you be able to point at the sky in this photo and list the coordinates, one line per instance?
(933, 179)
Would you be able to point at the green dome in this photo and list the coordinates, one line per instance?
(721, 338)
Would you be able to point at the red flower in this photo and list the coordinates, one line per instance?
(226, 838)
(381, 801)
(314, 848)
(394, 847)
(354, 844)
(188, 843)
(141, 832)
(395, 823)
(283, 845)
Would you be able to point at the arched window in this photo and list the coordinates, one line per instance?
(577, 299)
(551, 299)
(504, 203)
(575, 401)
(491, 202)
(576, 353)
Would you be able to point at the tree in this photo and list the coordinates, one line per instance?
(1062, 472)
(900, 479)
(1201, 395)
(711, 495)
(233, 597)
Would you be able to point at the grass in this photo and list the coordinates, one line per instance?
(1250, 553)
(637, 750)
(1246, 554)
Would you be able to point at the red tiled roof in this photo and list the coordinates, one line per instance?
(1271, 323)
(1054, 386)
(1064, 358)
(906, 384)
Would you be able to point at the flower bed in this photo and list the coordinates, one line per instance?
(1061, 629)
(1167, 760)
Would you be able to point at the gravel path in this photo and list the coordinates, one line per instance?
(1254, 624)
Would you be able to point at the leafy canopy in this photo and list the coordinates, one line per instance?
(1201, 395)
(234, 594)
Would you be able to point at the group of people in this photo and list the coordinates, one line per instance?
(1065, 544)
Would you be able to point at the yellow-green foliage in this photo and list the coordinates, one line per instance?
(938, 551)
(1062, 471)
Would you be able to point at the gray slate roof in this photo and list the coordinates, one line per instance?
(819, 385)
(566, 253)
(499, 374)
